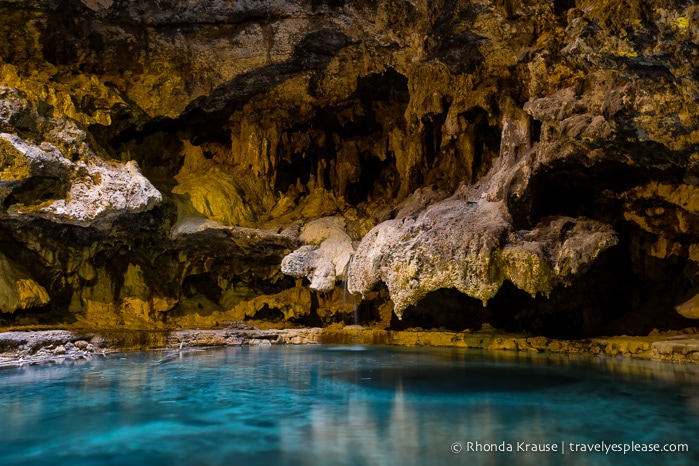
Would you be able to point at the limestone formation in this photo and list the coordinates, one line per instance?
(327, 256)
(18, 290)
(71, 183)
(173, 164)
(472, 247)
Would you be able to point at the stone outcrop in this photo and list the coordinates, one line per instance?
(471, 246)
(62, 178)
(326, 258)
(529, 165)
(18, 290)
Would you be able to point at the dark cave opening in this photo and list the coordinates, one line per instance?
(347, 135)
(575, 190)
(37, 190)
(486, 144)
(445, 309)
(202, 284)
(377, 179)
(297, 168)
(433, 124)
(50, 315)
(627, 291)
(609, 299)
(588, 307)
(389, 86)
(362, 189)
(268, 314)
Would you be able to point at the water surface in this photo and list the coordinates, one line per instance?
(344, 406)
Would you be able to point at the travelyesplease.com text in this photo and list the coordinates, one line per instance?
(567, 447)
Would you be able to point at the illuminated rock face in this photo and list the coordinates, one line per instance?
(167, 163)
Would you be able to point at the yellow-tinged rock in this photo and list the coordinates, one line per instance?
(694, 252)
(216, 196)
(14, 165)
(31, 294)
(17, 290)
(690, 308)
(528, 271)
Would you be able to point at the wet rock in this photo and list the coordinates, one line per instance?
(81, 344)
(37, 347)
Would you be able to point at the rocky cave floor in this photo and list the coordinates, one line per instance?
(25, 348)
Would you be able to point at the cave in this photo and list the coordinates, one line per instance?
(444, 309)
(170, 168)
(353, 232)
(357, 122)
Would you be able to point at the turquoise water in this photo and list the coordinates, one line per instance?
(344, 406)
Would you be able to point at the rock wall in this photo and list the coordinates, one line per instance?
(530, 165)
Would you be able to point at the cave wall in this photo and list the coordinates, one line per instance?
(531, 165)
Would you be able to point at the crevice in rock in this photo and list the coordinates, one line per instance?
(38, 190)
(49, 315)
(342, 146)
(444, 309)
(268, 315)
(561, 7)
(577, 190)
(202, 284)
(486, 142)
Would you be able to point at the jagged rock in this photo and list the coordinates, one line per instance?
(471, 246)
(326, 258)
(17, 290)
(87, 188)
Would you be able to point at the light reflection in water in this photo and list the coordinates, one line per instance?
(337, 405)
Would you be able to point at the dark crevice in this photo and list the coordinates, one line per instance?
(433, 124)
(561, 7)
(574, 190)
(535, 130)
(38, 316)
(341, 154)
(204, 285)
(487, 141)
(585, 309)
(37, 190)
(378, 179)
(445, 309)
(267, 314)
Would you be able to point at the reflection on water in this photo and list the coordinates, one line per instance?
(342, 405)
(460, 380)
